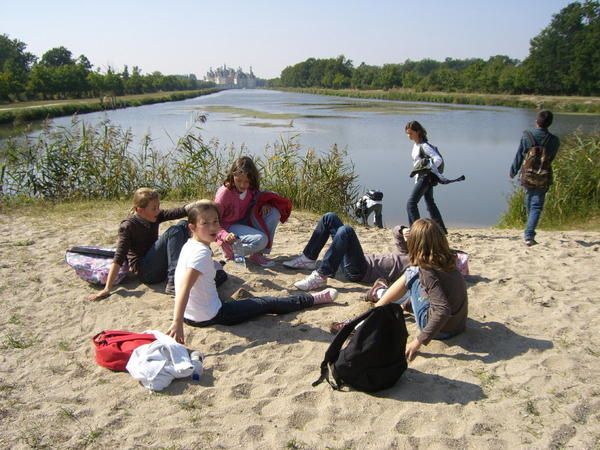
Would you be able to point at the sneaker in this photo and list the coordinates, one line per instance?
(530, 242)
(170, 287)
(372, 296)
(227, 250)
(312, 282)
(261, 260)
(325, 296)
(301, 262)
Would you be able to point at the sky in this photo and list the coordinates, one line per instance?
(185, 36)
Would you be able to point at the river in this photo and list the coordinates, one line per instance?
(477, 141)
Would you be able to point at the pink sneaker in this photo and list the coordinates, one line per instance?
(261, 260)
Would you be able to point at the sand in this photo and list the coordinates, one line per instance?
(524, 375)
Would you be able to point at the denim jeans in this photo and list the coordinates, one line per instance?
(232, 313)
(160, 261)
(251, 238)
(424, 188)
(534, 203)
(345, 248)
(419, 302)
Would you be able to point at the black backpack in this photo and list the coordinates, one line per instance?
(536, 172)
(374, 358)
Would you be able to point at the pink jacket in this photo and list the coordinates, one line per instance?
(232, 208)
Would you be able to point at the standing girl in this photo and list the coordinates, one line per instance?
(241, 226)
(425, 180)
(153, 259)
(197, 302)
(438, 293)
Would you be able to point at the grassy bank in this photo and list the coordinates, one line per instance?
(561, 104)
(84, 162)
(29, 111)
(574, 198)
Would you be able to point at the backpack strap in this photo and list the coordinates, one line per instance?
(333, 352)
(531, 138)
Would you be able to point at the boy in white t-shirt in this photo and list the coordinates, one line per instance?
(197, 302)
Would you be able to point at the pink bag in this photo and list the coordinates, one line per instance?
(92, 264)
(462, 262)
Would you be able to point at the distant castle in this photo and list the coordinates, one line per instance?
(228, 77)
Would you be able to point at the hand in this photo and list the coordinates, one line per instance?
(406, 233)
(99, 295)
(230, 238)
(176, 332)
(412, 349)
(265, 210)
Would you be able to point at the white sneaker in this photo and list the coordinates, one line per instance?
(301, 262)
(314, 281)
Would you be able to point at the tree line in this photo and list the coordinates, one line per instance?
(564, 59)
(57, 74)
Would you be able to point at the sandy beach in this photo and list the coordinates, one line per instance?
(524, 375)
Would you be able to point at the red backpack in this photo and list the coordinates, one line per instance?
(114, 347)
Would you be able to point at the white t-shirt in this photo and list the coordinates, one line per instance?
(204, 302)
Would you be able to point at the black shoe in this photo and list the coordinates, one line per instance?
(530, 242)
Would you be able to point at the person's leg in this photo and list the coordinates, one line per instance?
(160, 261)
(271, 221)
(327, 226)
(232, 313)
(412, 205)
(377, 209)
(250, 240)
(434, 212)
(534, 201)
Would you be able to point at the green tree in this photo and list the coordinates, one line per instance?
(565, 57)
(15, 64)
(56, 57)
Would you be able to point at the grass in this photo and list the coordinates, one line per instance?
(562, 104)
(87, 163)
(19, 113)
(16, 342)
(574, 197)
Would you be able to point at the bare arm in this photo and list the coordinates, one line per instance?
(110, 280)
(181, 299)
(395, 292)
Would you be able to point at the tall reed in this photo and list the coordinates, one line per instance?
(81, 161)
(574, 197)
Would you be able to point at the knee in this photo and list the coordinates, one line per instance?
(329, 217)
(179, 230)
(345, 231)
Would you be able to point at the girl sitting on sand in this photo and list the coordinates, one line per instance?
(438, 293)
(153, 259)
(197, 302)
(248, 217)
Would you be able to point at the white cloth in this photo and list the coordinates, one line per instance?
(156, 364)
(432, 153)
(203, 303)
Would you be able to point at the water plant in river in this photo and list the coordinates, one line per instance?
(574, 197)
(85, 162)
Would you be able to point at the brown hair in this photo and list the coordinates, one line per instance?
(544, 118)
(199, 208)
(428, 247)
(143, 196)
(418, 128)
(246, 166)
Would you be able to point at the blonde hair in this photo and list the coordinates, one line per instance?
(428, 247)
(199, 208)
(143, 196)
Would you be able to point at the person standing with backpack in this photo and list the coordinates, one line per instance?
(537, 150)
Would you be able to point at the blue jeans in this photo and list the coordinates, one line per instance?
(419, 301)
(232, 313)
(534, 203)
(160, 261)
(251, 238)
(345, 248)
(424, 188)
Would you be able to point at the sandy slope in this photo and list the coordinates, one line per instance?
(525, 374)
